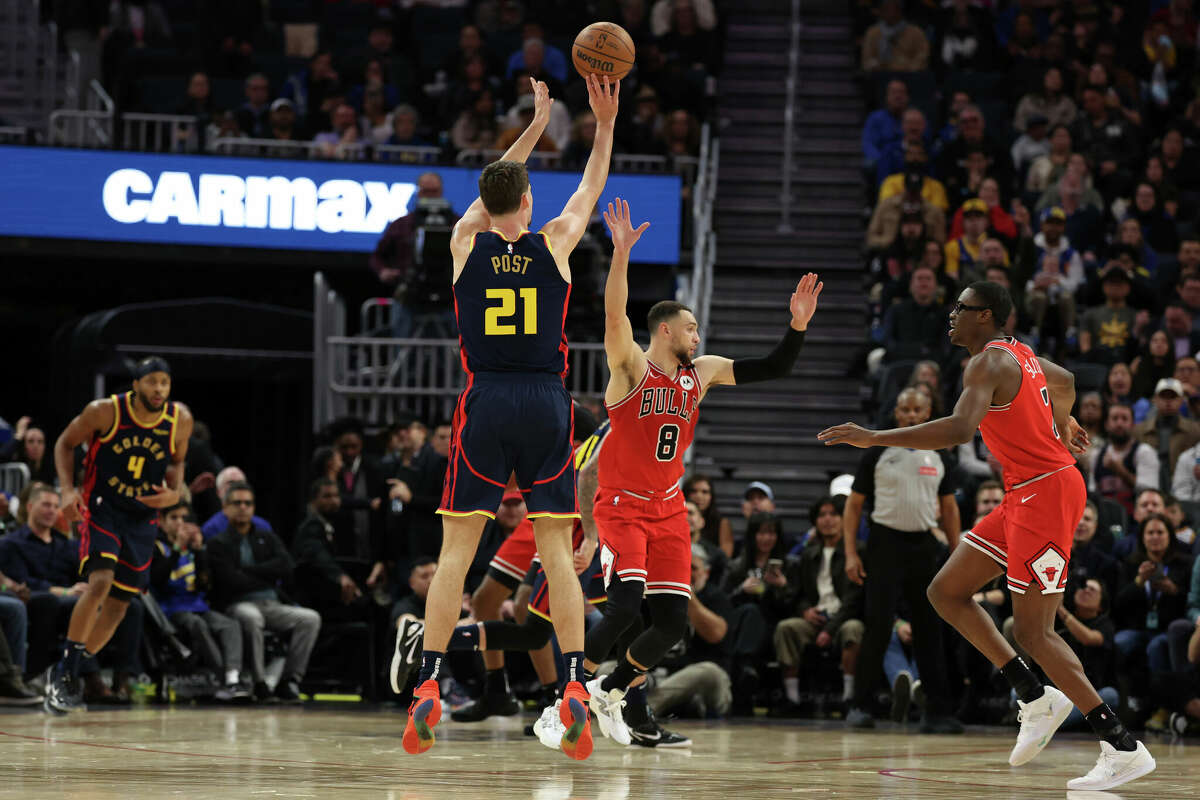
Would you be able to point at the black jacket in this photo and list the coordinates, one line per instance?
(231, 581)
(802, 575)
(318, 574)
(1133, 602)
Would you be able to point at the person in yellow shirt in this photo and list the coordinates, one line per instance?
(963, 255)
(932, 190)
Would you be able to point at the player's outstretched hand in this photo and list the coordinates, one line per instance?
(623, 234)
(542, 102)
(1077, 440)
(162, 497)
(847, 433)
(804, 300)
(72, 505)
(603, 95)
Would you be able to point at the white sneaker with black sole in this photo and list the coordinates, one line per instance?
(651, 733)
(1039, 720)
(407, 653)
(1115, 768)
(549, 728)
(607, 707)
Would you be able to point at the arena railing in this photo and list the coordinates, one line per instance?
(789, 122)
(159, 133)
(704, 238)
(90, 126)
(362, 151)
(13, 134)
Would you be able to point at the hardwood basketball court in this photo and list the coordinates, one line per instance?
(198, 754)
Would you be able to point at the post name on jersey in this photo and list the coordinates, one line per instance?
(145, 442)
(1033, 367)
(511, 263)
(661, 400)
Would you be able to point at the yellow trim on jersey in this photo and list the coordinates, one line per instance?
(534, 611)
(81, 563)
(546, 239)
(472, 247)
(108, 555)
(584, 452)
(446, 513)
(133, 417)
(552, 515)
(174, 424)
(597, 601)
(505, 238)
(130, 589)
(116, 420)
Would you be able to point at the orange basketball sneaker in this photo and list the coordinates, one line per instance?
(424, 713)
(577, 740)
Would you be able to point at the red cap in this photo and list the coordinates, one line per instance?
(513, 495)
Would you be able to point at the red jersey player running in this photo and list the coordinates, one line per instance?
(653, 399)
(1020, 403)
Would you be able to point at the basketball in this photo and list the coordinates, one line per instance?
(603, 48)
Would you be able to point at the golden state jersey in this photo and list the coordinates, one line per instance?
(125, 461)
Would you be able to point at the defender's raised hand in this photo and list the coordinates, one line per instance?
(542, 102)
(804, 300)
(623, 234)
(602, 96)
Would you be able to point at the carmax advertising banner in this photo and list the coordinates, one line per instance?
(269, 203)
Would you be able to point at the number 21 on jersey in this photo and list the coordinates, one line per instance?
(492, 325)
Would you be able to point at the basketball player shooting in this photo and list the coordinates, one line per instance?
(137, 443)
(1021, 404)
(515, 416)
(653, 399)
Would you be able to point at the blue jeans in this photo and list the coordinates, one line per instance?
(1108, 694)
(895, 661)
(15, 623)
(1155, 645)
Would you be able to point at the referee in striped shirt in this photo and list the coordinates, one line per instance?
(908, 491)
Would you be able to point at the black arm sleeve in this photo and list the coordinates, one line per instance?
(776, 364)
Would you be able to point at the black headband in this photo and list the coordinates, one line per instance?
(151, 364)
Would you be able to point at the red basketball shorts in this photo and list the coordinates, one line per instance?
(645, 540)
(1031, 532)
(514, 556)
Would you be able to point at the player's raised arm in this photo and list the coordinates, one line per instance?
(982, 376)
(718, 370)
(626, 361)
(476, 218)
(567, 228)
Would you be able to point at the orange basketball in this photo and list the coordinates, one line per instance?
(603, 48)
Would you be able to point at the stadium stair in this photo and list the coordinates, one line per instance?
(767, 431)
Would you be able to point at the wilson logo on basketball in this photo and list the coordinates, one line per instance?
(596, 64)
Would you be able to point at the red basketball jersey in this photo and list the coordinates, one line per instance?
(1022, 434)
(652, 426)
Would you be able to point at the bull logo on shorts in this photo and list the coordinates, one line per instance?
(1049, 569)
(687, 383)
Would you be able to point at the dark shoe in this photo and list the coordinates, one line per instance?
(14, 692)
(262, 693)
(901, 696)
(941, 724)
(120, 695)
(63, 693)
(232, 693)
(649, 732)
(857, 718)
(409, 638)
(288, 692)
(785, 709)
(488, 705)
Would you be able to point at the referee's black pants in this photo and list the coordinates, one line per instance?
(901, 564)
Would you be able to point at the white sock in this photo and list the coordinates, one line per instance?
(231, 676)
(791, 686)
(847, 687)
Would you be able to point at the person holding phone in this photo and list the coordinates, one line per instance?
(756, 576)
(1152, 596)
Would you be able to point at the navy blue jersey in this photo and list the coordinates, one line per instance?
(125, 461)
(511, 305)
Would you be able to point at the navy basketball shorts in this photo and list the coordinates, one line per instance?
(591, 581)
(116, 539)
(506, 424)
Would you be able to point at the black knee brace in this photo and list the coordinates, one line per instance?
(622, 609)
(668, 624)
(532, 635)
